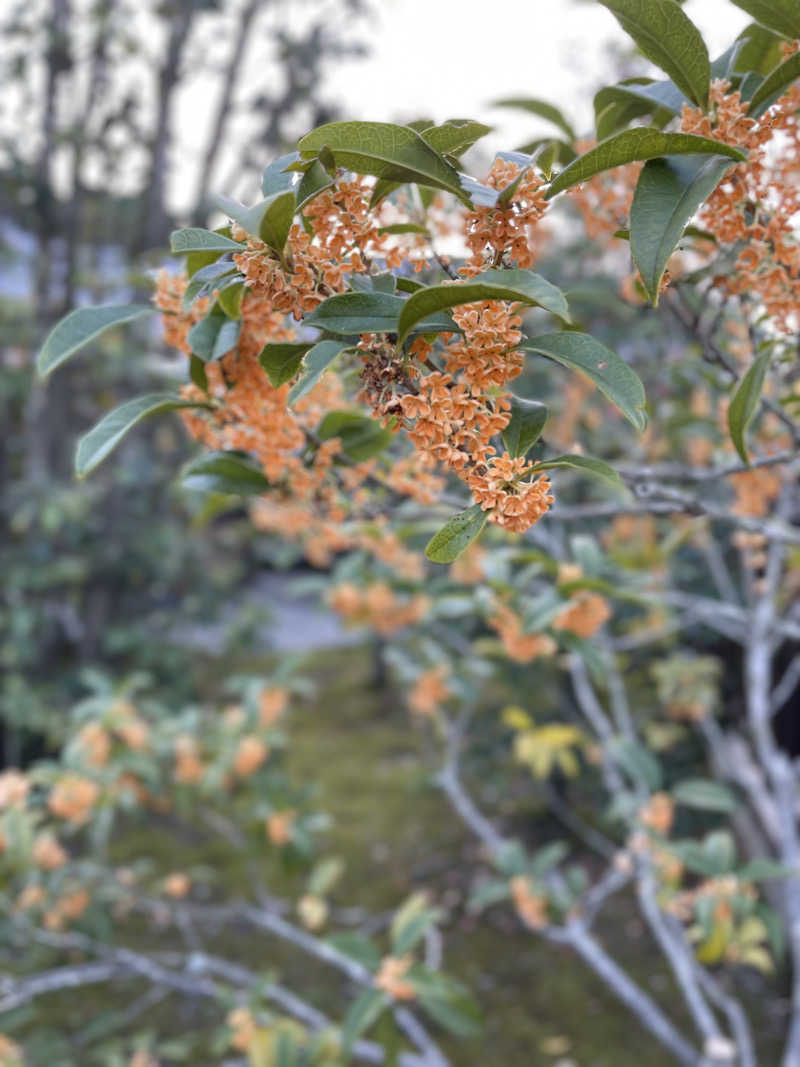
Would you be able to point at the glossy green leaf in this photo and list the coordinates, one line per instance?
(103, 438)
(316, 362)
(541, 108)
(449, 542)
(225, 472)
(283, 361)
(79, 328)
(668, 193)
(276, 178)
(774, 85)
(214, 335)
(363, 1012)
(613, 377)
(396, 153)
(193, 239)
(758, 49)
(269, 220)
(704, 794)
(744, 404)
(669, 38)
(454, 136)
(596, 468)
(361, 437)
(523, 286)
(346, 314)
(640, 143)
(528, 418)
(781, 16)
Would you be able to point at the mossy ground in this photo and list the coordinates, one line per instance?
(397, 834)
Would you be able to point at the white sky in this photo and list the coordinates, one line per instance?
(451, 58)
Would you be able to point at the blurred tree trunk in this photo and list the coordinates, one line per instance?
(154, 214)
(224, 105)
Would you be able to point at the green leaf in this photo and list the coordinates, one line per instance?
(587, 465)
(759, 50)
(669, 38)
(616, 105)
(276, 178)
(763, 869)
(396, 153)
(523, 286)
(454, 136)
(357, 947)
(404, 227)
(528, 418)
(668, 193)
(781, 16)
(613, 377)
(640, 143)
(367, 312)
(103, 438)
(704, 794)
(283, 361)
(269, 220)
(317, 360)
(541, 108)
(214, 335)
(638, 762)
(744, 404)
(204, 278)
(315, 181)
(362, 1014)
(407, 934)
(193, 239)
(548, 857)
(457, 533)
(719, 849)
(774, 85)
(229, 297)
(79, 328)
(224, 472)
(361, 437)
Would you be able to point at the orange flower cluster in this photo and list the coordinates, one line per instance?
(757, 202)
(47, 854)
(390, 977)
(68, 907)
(503, 235)
(73, 797)
(520, 646)
(531, 907)
(584, 614)
(429, 691)
(377, 606)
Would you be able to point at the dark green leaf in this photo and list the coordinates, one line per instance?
(276, 178)
(79, 328)
(105, 436)
(759, 50)
(268, 220)
(668, 193)
(523, 286)
(283, 361)
(540, 108)
(362, 1014)
(229, 298)
(316, 362)
(611, 375)
(704, 794)
(638, 762)
(396, 153)
(457, 533)
(197, 373)
(214, 335)
(587, 465)
(669, 38)
(775, 84)
(763, 869)
(781, 16)
(197, 240)
(640, 143)
(744, 404)
(361, 437)
(315, 181)
(528, 418)
(455, 136)
(367, 312)
(224, 472)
